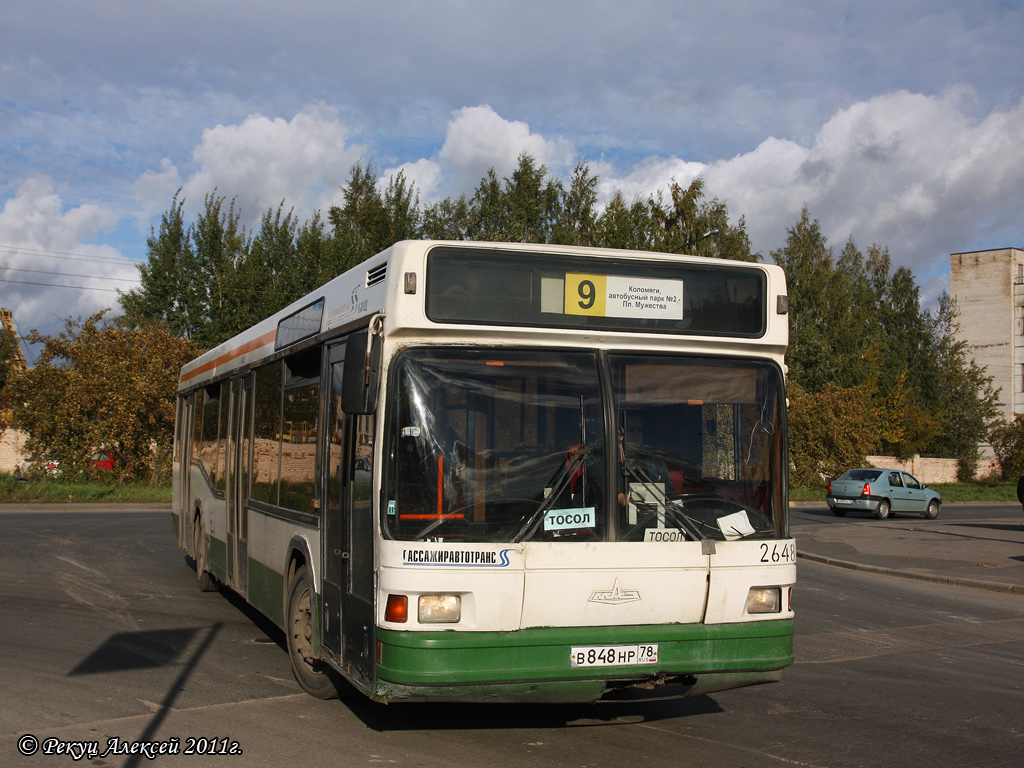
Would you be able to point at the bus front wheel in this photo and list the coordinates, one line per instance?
(312, 675)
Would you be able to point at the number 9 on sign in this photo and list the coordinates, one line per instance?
(585, 294)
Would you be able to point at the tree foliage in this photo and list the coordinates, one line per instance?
(211, 279)
(865, 358)
(1008, 444)
(858, 325)
(829, 431)
(102, 385)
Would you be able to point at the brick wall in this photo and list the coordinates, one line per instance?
(12, 447)
(932, 470)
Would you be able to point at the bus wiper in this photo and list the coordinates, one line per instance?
(558, 485)
(661, 502)
(441, 519)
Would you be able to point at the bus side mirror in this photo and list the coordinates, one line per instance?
(361, 378)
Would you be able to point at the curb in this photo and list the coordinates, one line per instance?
(988, 586)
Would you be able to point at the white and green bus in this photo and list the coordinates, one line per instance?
(504, 472)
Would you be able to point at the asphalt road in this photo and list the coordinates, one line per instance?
(104, 635)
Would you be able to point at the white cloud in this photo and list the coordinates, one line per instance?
(647, 178)
(424, 174)
(262, 161)
(154, 190)
(479, 139)
(914, 172)
(44, 252)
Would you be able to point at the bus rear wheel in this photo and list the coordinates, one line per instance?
(312, 674)
(206, 581)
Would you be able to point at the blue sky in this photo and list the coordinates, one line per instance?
(897, 123)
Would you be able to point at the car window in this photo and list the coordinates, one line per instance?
(894, 480)
(869, 475)
(912, 482)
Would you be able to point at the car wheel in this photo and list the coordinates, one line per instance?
(882, 510)
(838, 512)
(933, 510)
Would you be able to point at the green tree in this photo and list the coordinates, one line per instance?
(851, 317)
(829, 431)
(102, 384)
(190, 279)
(577, 213)
(1008, 444)
(169, 290)
(624, 226)
(692, 225)
(8, 368)
(807, 260)
(369, 220)
(447, 220)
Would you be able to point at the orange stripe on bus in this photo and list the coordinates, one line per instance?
(237, 352)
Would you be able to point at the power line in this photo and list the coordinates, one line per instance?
(65, 274)
(70, 255)
(56, 285)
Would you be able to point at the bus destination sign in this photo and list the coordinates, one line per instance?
(622, 296)
(550, 290)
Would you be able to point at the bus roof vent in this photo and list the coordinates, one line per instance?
(376, 274)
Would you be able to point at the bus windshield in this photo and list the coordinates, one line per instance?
(505, 445)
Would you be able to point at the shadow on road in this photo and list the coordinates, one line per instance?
(642, 707)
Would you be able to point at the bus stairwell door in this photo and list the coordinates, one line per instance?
(348, 533)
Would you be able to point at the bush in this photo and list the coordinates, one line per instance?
(1008, 444)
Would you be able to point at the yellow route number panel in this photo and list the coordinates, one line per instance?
(617, 296)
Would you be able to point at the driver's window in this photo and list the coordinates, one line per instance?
(912, 482)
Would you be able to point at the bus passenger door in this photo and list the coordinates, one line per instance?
(183, 456)
(347, 619)
(237, 491)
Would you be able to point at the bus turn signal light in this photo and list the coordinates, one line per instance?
(397, 609)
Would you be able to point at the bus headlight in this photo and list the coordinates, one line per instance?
(764, 600)
(440, 609)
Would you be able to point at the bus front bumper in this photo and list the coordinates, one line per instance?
(533, 665)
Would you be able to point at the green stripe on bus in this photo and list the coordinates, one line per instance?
(439, 658)
(266, 591)
(217, 558)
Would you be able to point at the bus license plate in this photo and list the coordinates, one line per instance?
(613, 655)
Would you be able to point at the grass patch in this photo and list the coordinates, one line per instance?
(977, 491)
(56, 491)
